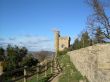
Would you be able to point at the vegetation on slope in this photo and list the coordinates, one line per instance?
(69, 73)
(39, 77)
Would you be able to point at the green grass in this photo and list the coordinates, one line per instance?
(70, 73)
(41, 77)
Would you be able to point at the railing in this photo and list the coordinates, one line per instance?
(24, 74)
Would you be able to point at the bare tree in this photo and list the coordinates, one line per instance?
(100, 17)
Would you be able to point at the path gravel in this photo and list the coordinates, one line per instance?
(56, 78)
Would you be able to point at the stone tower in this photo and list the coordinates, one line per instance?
(56, 33)
(61, 42)
(64, 42)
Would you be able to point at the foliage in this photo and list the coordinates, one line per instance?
(16, 57)
(85, 40)
(29, 61)
(2, 54)
(76, 44)
(99, 37)
(88, 39)
(11, 58)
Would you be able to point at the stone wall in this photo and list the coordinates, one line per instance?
(93, 62)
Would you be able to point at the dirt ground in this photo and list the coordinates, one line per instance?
(56, 78)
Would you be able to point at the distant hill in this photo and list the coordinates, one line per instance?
(42, 55)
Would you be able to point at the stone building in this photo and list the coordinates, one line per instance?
(61, 42)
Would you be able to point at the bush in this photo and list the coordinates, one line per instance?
(29, 61)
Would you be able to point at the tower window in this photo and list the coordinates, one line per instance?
(62, 46)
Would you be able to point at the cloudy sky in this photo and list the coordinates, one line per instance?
(33, 43)
(29, 23)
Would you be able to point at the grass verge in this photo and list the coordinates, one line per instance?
(70, 73)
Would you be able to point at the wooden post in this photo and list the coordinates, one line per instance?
(45, 70)
(51, 67)
(37, 72)
(1, 68)
(25, 74)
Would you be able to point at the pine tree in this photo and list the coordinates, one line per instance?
(85, 40)
(99, 36)
(76, 44)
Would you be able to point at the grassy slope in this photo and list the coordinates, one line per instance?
(70, 73)
(41, 77)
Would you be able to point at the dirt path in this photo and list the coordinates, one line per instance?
(56, 78)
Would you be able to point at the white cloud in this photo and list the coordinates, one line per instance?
(33, 43)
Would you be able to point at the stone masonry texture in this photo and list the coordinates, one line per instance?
(93, 62)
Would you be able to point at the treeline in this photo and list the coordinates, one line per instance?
(86, 39)
(14, 57)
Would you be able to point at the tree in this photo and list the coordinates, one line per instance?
(91, 42)
(76, 44)
(99, 37)
(29, 61)
(99, 18)
(14, 56)
(23, 51)
(20, 54)
(2, 54)
(11, 58)
(85, 40)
